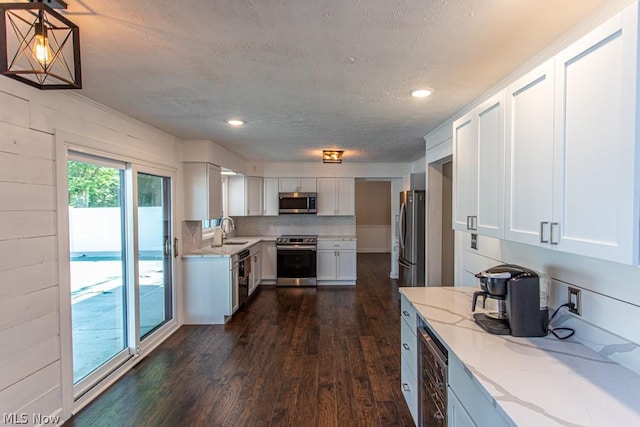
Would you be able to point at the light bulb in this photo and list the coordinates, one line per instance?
(41, 49)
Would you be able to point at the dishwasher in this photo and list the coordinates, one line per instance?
(432, 378)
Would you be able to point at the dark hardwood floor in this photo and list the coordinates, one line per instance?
(327, 356)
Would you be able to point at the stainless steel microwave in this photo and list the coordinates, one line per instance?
(297, 203)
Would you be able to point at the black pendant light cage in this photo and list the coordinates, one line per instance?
(41, 47)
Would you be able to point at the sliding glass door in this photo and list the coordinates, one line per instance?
(121, 258)
(154, 251)
(98, 263)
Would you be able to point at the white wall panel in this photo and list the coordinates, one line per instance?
(14, 110)
(20, 225)
(22, 364)
(19, 310)
(17, 168)
(36, 393)
(15, 196)
(20, 281)
(24, 252)
(18, 140)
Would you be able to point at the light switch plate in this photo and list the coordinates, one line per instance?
(575, 298)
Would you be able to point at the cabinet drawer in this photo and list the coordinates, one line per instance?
(337, 245)
(409, 387)
(472, 396)
(409, 346)
(408, 312)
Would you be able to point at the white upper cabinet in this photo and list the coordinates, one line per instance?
(572, 178)
(478, 150)
(298, 185)
(270, 197)
(245, 195)
(336, 196)
(202, 191)
(595, 205)
(530, 156)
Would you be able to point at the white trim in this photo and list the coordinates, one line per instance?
(136, 162)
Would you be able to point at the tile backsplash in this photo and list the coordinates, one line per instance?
(272, 226)
(295, 224)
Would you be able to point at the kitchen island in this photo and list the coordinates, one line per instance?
(522, 381)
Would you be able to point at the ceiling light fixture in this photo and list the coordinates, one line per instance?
(421, 93)
(235, 122)
(332, 156)
(41, 47)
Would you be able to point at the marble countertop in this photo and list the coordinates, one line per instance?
(229, 249)
(532, 381)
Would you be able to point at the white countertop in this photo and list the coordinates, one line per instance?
(532, 381)
(228, 250)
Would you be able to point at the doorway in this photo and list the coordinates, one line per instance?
(440, 234)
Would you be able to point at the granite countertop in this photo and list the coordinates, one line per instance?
(532, 381)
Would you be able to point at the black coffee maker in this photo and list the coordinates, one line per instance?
(522, 306)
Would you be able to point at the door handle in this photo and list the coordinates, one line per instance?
(542, 226)
(175, 247)
(554, 226)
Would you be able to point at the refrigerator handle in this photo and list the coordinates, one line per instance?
(403, 225)
(403, 263)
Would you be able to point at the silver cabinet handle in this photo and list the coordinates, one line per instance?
(406, 313)
(474, 222)
(468, 222)
(405, 387)
(406, 346)
(554, 225)
(542, 226)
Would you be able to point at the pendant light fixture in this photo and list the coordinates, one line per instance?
(41, 47)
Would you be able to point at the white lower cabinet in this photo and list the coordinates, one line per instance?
(467, 402)
(269, 262)
(457, 416)
(256, 267)
(336, 261)
(409, 356)
(210, 290)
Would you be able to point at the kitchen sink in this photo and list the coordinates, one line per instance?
(235, 243)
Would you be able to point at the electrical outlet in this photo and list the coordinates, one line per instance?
(575, 298)
(474, 241)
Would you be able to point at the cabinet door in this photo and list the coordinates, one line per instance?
(269, 260)
(345, 197)
(346, 265)
(530, 156)
(214, 191)
(326, 264)
(595, 207)
(253, 195)
(490, 169)
(270, 197)
(256, 273)
(465, 179)
(327, 189)
(307, 185)
(456, 414)
(288, 185)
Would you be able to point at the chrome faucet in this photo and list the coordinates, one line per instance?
(230, 227)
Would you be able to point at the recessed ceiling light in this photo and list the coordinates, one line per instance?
(421, 93)
(235, 122)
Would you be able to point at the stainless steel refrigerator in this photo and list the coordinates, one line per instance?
(411, 238)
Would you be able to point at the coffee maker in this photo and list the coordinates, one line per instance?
(521, 300)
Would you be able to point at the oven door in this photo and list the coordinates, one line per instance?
(296, 265)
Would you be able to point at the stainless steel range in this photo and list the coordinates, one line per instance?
(296, 260)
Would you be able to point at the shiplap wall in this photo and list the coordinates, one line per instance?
(30, 361)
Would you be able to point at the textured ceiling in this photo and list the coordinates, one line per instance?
(308, 74)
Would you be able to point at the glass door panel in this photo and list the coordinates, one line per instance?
(154, 252)
(98, 265)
